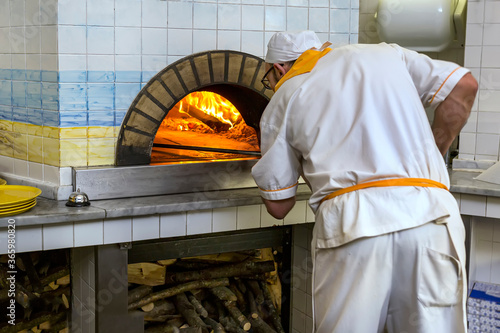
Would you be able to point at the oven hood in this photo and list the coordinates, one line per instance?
(147, 180)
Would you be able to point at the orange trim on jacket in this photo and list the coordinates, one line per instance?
(442, 84)
(387, 182)
(281, 189)
(304, 64)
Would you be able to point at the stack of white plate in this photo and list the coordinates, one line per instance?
(16, 199)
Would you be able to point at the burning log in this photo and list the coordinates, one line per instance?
(211, 121)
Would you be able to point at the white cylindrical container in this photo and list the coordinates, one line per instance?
(420, 25)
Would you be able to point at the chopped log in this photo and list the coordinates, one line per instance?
(230, 325)
(164, 328)
(191, 330)
(227, 257)
(170, 318)
(239, 296)
(254, 312)
(148, 307)
(26, 325)
(59, 273)
(240, 269)
(187, 310)
(260, 326)
(161, 307)
(166, 262)
(223, 294)
(169, 292)
(146, 273)
(31, 272)
(237, 315)
(197, 305)
(254, 286)
(138, 293)
(65, 280)
(216, 327)
(276, 320)
(60, 327)
(241, 285)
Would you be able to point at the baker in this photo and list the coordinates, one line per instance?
(388, 243)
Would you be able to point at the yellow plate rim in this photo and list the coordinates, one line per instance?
(3, 181)
(19, 211)
(34, 193)
(11, 208)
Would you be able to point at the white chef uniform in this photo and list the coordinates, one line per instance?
(359, 116)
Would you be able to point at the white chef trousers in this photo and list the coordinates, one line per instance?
(404, 282)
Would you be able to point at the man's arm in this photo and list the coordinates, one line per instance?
(279, 208)
(452, 114)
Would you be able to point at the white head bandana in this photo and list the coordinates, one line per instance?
(288, 45)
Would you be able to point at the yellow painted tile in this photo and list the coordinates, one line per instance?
(6, 143)
(51, 132)
(73, 152)
(51, 151)
(36, 130)
(117, 131)
(101, 151)
(101, 132)
(19, 127)
(35, 149)
(73, 133)
(20, 146)
(5, 125)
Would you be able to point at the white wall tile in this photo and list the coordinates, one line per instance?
(72, 12)
(204, 16)
(228, 40)
(179, 42)
(473, 205)
(483, 256)
(35, 170)
(472, 56)
(483, 229)
(173, 225)
(21, 167)
(89, 233)
(319, 20)
(3, 240)
(154, 41)
(224, 219)
(57, 236)
(252, 18)
(490, 34)
(199, 222)
(128, 13)
(490, 56)
(496, 230)
(117, 230)
(467, 143)
(49, 39)
(127, 40)
(100, 40)
(490, 79)
(275, 18)
(101, 12)
(154, 14)
(493, 207)
(491, 10)
(495, 263)
(339, 20)
(66, 176)
(29, 239)
(33, 39)
(266, 220)
(489, 100)
(487, 144)
(145, 227)
(16, 13)
(488, 122)
(180, 14)
(204, 40)
(297, 214)
(253, 43)
(248, 217)
(297, 18)
(71, 39)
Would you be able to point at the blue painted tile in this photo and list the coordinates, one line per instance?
(50, 118)
(101, 118)
(101, 76)
(125, 94)
(72, 97)
(6, 92)
(6, 112)
(73, 119)
(34, 94)
(19, 93)
(5, 74)
(101, 96)
(119, 115)
(128, 76)
(50, 96)
(20, 114)
(19, 74)
(33, 75)
(49, 76)
(72, 76)
(35, 117)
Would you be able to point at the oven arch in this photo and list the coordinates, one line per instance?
(232, 74)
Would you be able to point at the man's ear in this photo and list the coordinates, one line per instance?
(281, 70)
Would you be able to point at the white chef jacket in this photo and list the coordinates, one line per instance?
(359, 116)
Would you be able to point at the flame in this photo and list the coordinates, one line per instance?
(212, 104)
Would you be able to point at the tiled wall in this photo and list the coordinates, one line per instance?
(69, 69)
(480, 138)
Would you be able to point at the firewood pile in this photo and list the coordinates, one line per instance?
(39, 287)
(227, 292)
